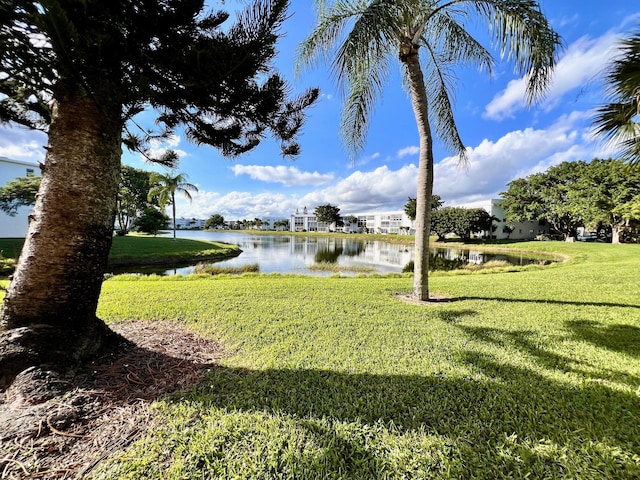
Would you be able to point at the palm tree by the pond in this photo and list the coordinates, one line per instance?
(617, 120)
(380, 31)
(164, 189)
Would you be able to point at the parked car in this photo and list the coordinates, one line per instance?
(587, 236)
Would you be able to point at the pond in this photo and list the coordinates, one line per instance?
(298, 254)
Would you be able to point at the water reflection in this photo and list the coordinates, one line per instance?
(295, 254)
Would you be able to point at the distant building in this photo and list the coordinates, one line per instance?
(395, 222)
(15, 227)
(527, 230)
(189, 223)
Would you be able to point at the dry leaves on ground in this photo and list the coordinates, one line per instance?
(105, 406)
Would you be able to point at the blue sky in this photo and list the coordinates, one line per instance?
(504, 138)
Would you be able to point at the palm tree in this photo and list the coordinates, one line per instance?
(615, 120)
(164, 188)
(383, 30)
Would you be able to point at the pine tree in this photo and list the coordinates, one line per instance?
(81, 71)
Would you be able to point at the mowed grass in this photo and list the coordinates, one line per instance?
(526, 374)
(142, 250)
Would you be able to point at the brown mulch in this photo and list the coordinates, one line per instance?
(102, 408)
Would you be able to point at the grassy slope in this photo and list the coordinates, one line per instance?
(534, 373)
(530, 373)
(137, 250)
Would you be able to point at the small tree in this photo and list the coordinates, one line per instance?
(151, 221)
(281, 224)
(19, 192)
(164, 189)
(328, 214)
(410, 206)
(133, 193)
(214, 221)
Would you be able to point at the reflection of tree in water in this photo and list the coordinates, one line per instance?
(353, 248)
(437, 262)
(328, 254)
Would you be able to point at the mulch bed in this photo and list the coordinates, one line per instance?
(104, 406)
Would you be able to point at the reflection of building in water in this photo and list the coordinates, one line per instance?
(352, 252)
(367, 222)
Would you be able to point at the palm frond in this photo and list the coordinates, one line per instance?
(617, 121)
(439, 81)
(455, 43)
(524, 36)
(359, 64)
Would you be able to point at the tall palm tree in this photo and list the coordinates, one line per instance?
(380, 31)
(164, 188)
(617, 120)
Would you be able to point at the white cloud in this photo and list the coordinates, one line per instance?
(380, 189)
(288, 176)
(493, 164)
(20, 143)
(580, 65)
(408, 151)
(160, 147)
(364, 160)
(237, 205)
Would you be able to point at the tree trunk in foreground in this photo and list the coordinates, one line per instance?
(49, 312)
(425, 179)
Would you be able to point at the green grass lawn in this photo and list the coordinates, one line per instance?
(527, 374)
(145, 250)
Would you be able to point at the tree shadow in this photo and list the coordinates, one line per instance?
(527, 341)
(472, 418)
(546, 301)
(617, 338)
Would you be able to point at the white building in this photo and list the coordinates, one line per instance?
(189, 223)
(395, 222)
(15, 227)
(527, 230)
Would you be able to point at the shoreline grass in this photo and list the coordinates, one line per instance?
(212, 269)
(337, 268)
(533, 373)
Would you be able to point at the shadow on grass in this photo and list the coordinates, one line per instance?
(504, 421)
(545, 301)
(529, 343)
(617, 338)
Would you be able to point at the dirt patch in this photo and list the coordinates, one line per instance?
(434, 300)
(103, 407)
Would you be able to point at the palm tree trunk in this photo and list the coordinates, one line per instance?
(49, 311)
(425, 178)
(173, 210)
